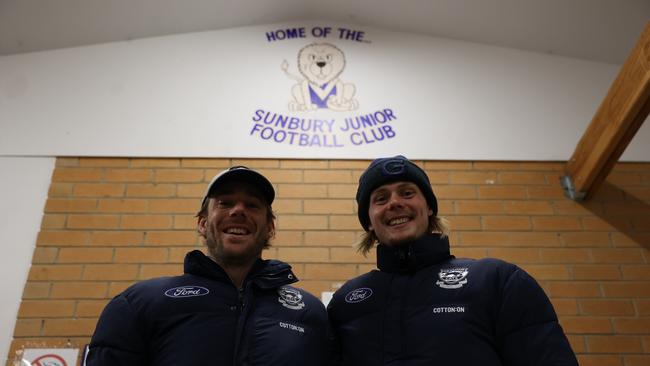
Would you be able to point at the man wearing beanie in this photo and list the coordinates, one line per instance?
(230, 307)
(423, 306)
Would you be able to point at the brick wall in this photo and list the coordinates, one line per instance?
(111, 222)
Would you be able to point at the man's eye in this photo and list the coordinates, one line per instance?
(254, 206)
(379, 199)
(408, 193)
(223, 204)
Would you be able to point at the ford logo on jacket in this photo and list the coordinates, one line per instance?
(358, 295)
(187, 291)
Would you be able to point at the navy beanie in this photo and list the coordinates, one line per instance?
(387, 170)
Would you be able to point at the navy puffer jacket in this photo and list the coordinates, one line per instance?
(201, 318)
(425, 307)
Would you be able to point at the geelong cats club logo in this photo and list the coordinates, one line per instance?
(452, 277)
(290, 298)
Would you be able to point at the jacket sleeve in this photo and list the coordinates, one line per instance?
(527, 326)
(117, 340)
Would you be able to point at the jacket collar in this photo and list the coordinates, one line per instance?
(265, 273)
(408, 258)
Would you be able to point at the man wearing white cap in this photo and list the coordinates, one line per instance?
(230, 307)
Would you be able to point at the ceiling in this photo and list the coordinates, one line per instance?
(597, 30)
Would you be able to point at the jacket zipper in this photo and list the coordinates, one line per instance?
(241, 322)
(240, 299)
(243, 314)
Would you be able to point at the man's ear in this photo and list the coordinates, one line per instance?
(271, 232)
(201, 224)
(430, 212)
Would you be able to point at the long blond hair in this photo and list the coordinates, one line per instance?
(368, 240)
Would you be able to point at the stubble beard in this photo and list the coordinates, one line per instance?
(217, 252)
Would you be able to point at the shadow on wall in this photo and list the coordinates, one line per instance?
(625, 212)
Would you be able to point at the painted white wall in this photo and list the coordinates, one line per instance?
(196, 95)
(23, 191)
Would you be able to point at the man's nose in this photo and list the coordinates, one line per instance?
(238, 209)
(395, 200)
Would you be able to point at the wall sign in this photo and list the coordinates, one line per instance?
(322, 108)
(49, 357)
(312, 89)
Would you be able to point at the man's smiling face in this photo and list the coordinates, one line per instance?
(398, 213)
(238, 224)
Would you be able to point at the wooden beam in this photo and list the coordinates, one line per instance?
(617, 120)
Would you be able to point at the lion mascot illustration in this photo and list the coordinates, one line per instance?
(320, 64)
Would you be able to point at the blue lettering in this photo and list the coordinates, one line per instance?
(294, 123)
(330, 124)
(389, 114)
(350, 34)
(256, 127)
(346, 125)
(388, 130)
(365, 138)
(266, 118)
(336, 143)
(285, 129)
(354, 140)
(379, 117)
(269, 135)
(317, 32)
(304, 139)
(276, 137)
(258, 115)
(292, 33)
(282, 121)
(305, 127)
(367, 121)
(289, 33)
(318, 125)
(293, 135)
(381, 134)
(315, 140)
(321, 32)
(295, 32)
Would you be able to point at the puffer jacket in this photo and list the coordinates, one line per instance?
(201, 318)
(425, 307)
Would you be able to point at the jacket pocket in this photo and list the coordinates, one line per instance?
(286, 343)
